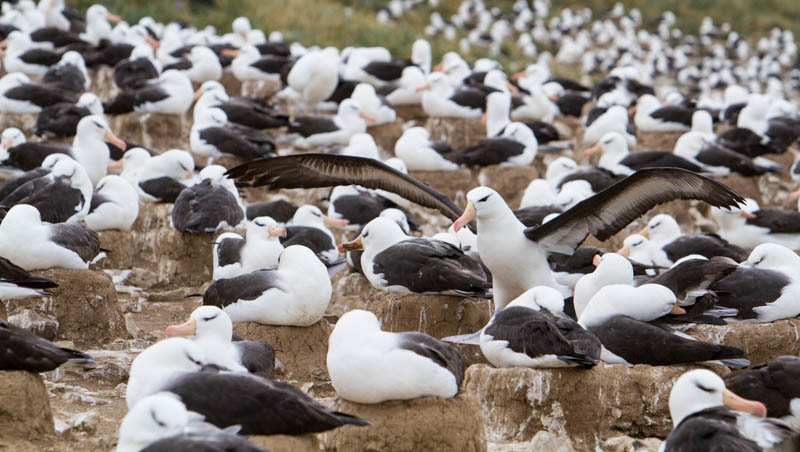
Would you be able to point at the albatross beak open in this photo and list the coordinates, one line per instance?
(625, 251)
(596, 149)
(353, 245)
(466, 217)
(333, 222)
(275, 231)
(113, 139)
(737, 403)
(187, 328)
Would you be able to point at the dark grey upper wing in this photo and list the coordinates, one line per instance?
(437, 351)
(607, 212)
(325, 170)
(229, 251)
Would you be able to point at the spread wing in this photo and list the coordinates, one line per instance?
(327, 170)
(607, 212)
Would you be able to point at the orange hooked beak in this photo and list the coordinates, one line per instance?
(632, 110)
(596, 149)
(334, 222)
(353, 245)
(645, 232)
(737, 403)
(113, 139)
(368, 118)
(468, 215)
(230, 52)
(7, 143)
(747, 215)
(511, 87)
(625, 251)
(113, 18)
(553, 98)
(197, 94)
(597, 259)
(483, 119)
(188, 328)
(275, 231)
(424, 87)
(794, 195)
(518, 75)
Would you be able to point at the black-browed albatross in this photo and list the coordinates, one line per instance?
(516, 255)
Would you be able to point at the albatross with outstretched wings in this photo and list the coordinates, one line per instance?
(516, 255)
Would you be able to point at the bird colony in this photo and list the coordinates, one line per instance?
(230, 242)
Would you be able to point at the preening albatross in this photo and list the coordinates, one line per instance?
(524, 249)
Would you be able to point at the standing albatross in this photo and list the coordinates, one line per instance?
(516, 255)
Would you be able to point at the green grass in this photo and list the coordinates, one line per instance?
(342, 23)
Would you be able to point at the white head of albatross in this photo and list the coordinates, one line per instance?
(772, 256)
(377, 235)
(614, 148)
(157, 416)
(11, 137)
(701, 389)
(662, 229)
(212, 329)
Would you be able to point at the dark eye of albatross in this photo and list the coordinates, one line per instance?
(153, 415)
(485, 198)
(638, 243)
(704, 388)
(364, 234)
(316, 214)
(759, 260)
(193, 360)
(259, 224)
(655, 225)
(183, 167)
(208, 319)
(98, 125)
